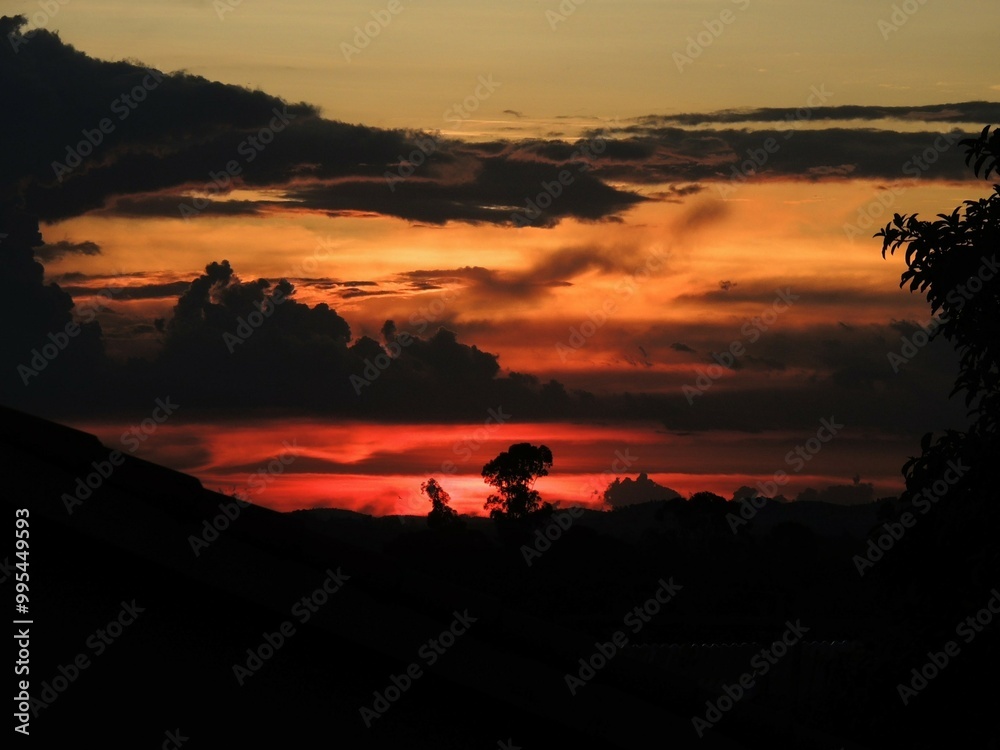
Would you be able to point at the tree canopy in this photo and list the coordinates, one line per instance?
(952, 260)
(513, 474)
(441, 515)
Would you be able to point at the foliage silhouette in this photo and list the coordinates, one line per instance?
(948, 562)
(513, 474)
(441, 515)
(953, 262)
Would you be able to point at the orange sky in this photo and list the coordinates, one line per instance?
(640, 300)
(379, 468)
(764, 237)
(779, 235)
(604, 59)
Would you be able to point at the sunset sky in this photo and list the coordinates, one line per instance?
(709, 175)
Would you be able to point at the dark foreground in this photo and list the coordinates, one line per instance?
(333, 629)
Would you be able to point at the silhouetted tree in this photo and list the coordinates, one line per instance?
(953, 262)
(513, 474)
(441, 516)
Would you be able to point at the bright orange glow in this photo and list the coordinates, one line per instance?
(763, 237)
(289, 464)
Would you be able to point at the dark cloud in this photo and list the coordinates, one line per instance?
(676, 194)
(305, 358)
(334, 285)
(830, 153)
(964, 112)
(169, 205)
(232, 346)
(74, 276)
(497, 190)
(145, 291)
(553, 269)
(219, 351)
(839, 170)
(804, 292)
(53, 251)
(47, 356)
(183, 134)
(351, 292)
(189, 134)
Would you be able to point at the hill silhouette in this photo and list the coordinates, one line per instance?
(506, 678)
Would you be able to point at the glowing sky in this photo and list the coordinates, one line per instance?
(607, 58)
(636, 301)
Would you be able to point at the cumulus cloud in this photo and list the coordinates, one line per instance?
(233, 345)
(642, 489)
(218, 350)
(48, 355)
